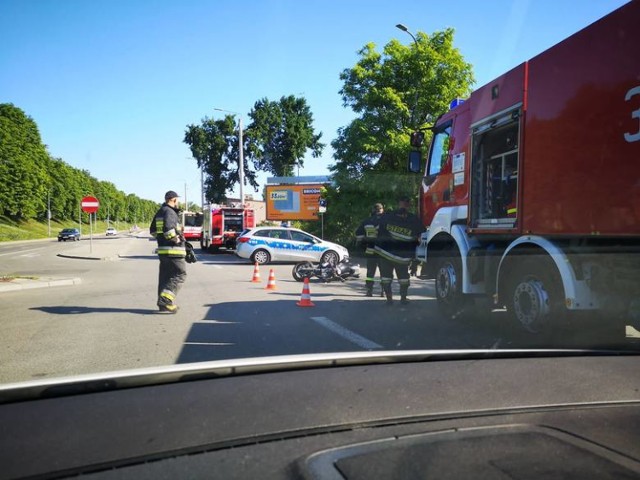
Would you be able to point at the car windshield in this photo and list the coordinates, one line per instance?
(253, 158)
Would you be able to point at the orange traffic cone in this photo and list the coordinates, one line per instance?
(271, 284)
(256, 274)
(305, 299)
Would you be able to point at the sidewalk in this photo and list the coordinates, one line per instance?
(41, 282)
(98, 249)
(101, 248)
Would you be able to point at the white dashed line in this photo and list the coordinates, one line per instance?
(346, 333)
(20, 252)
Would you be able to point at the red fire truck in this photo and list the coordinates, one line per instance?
(531, 194)
(192, 224)
(222, 225)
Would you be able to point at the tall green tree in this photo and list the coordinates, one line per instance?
(214, 145)
(394, 92)
(23, 162)
(280, 134)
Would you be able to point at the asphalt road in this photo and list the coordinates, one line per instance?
(110, 322)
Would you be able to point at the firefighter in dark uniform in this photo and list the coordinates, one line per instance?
(398, 235)
(366, 235)
(171, 250)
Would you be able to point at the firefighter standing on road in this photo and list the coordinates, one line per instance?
(366, 234)
(171, 252)
(398, 235)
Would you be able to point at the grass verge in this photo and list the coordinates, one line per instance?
(11, 230)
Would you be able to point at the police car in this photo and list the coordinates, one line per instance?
(278, 244)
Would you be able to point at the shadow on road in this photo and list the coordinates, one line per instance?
(77, 310)
(280, 327)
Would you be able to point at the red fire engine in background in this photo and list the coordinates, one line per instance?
(531, 194)
(192, 225)
(222, 225)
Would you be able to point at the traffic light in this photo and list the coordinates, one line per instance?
(417, 139)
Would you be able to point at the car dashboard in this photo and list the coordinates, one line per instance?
(549, 416)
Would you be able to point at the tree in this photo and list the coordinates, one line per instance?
(23, 162)
(280, 134)
(214, 145)
(394, 93)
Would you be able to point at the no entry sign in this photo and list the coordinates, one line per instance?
(90, 204)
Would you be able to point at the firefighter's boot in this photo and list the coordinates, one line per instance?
(168, 308)
(166, 302)
(389, 294)
(369, 288)
(404, 289)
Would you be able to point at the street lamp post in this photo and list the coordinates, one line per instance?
(240, 153)
(402, 27)
(49, 213)
(201, 183)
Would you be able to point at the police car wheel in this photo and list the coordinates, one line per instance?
(330, 257)
(261, 257)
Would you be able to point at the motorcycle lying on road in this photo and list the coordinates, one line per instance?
(327, 272)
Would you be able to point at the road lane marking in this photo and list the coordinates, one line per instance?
(346, 333)
(19, 252)
(211, 344)
(631, 332)
(217, 322)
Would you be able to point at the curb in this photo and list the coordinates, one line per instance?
(80, 257)
(27, 284)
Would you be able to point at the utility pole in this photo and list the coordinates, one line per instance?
(241, 166)
(202, 188)
(49, 212)
(402, 27)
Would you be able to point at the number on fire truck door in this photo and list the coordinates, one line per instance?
(633, 137)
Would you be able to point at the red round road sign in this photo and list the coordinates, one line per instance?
(90, 204)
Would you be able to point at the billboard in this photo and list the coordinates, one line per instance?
(293, 202)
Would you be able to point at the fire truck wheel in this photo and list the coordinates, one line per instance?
(451, 301)
(534, 298)
(261, 257)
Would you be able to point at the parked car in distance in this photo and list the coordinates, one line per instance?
(277, 244)
(111, 231)
(69, 234)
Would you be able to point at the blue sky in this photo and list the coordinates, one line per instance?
(113, 83)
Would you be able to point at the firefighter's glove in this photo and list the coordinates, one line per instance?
(190, 256)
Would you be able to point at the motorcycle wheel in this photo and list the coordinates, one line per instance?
(302, 270)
